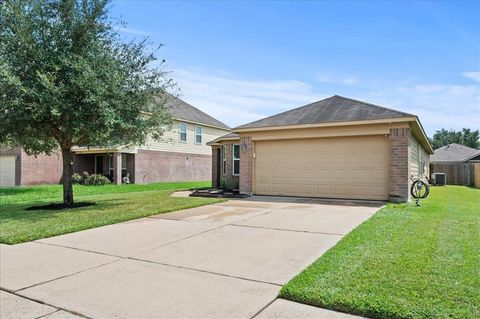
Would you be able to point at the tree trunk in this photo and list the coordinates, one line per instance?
(67, 177)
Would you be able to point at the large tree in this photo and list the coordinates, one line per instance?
(67, 78)
(465, 137)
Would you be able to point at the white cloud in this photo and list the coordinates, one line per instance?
(475, 76)
(338, 80)
(437, 105)
(238, 101)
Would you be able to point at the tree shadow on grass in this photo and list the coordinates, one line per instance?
(21, 212)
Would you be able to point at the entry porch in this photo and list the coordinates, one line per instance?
(117, 166)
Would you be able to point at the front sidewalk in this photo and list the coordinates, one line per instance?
(217, 261)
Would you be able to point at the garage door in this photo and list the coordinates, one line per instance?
(7, 170)
(347, 167)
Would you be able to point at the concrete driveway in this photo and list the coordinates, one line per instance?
(227, 260)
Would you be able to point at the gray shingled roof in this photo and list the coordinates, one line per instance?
(333, 109)
(454, 153)
(229, 136)
(183, 111)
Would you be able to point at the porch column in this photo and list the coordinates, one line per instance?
(246, 165)
(117, 168)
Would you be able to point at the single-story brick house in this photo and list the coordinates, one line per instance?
(181, 155)
(455, 153)
(334, 148)
(458, 163)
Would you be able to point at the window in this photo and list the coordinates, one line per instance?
(421, 161)
(182, 132)
(236, 159)
(224, 159)
(198, 135)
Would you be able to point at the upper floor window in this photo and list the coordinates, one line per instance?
(182, 132)
(198, 135)
(236, 159)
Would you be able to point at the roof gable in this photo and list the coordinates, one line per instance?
(333, 109)
(454, 153)
(181, 110)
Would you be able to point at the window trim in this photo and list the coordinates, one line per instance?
(235, 159)
(224, 159)
(180, 132)
(201, 134)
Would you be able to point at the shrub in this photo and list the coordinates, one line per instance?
(96, 180)
(77, 178)
(86, 179)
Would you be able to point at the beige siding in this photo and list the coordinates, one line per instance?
(418, 154)
(170, 140)
(344, 167)
(358, 130)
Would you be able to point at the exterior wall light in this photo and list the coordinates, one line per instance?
(244, 147)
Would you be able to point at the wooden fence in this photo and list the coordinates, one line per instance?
(476, 174)
(457, 173)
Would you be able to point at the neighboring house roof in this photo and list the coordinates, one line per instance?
(181, 110)
(226, 137)
(454, 153)
(333, 109)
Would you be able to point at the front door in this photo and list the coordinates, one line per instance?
(99, 164)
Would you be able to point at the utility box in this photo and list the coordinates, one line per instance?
(439, 179)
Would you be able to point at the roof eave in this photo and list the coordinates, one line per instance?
(217, 141)
(426, 141)
(199, 123)
(327, 124)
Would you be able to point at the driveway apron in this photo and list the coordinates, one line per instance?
(226, 260)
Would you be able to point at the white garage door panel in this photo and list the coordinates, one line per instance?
(7, 170)
(353, 167)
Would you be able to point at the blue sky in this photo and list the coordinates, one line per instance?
(240, 61)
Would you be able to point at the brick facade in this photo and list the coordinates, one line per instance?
(246, 165)
(42, 169)
(84, 163)
(225, 180)
(153, 166)
(399, 165)
(215, 166)
(143, 167)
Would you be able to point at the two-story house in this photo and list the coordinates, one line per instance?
(181, 155)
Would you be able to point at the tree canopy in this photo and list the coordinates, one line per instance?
(67, 78)
(465, 137)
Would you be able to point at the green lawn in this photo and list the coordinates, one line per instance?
(115, 203)
(48, 192)
(404, 262)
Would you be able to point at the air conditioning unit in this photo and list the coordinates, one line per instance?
(439, 179)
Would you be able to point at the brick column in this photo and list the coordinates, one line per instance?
(215, 177)
(117, 168)
(399, 164)
(246, 165)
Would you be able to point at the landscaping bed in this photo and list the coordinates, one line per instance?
(404, 262)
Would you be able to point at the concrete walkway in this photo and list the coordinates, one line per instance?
(227, 260)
